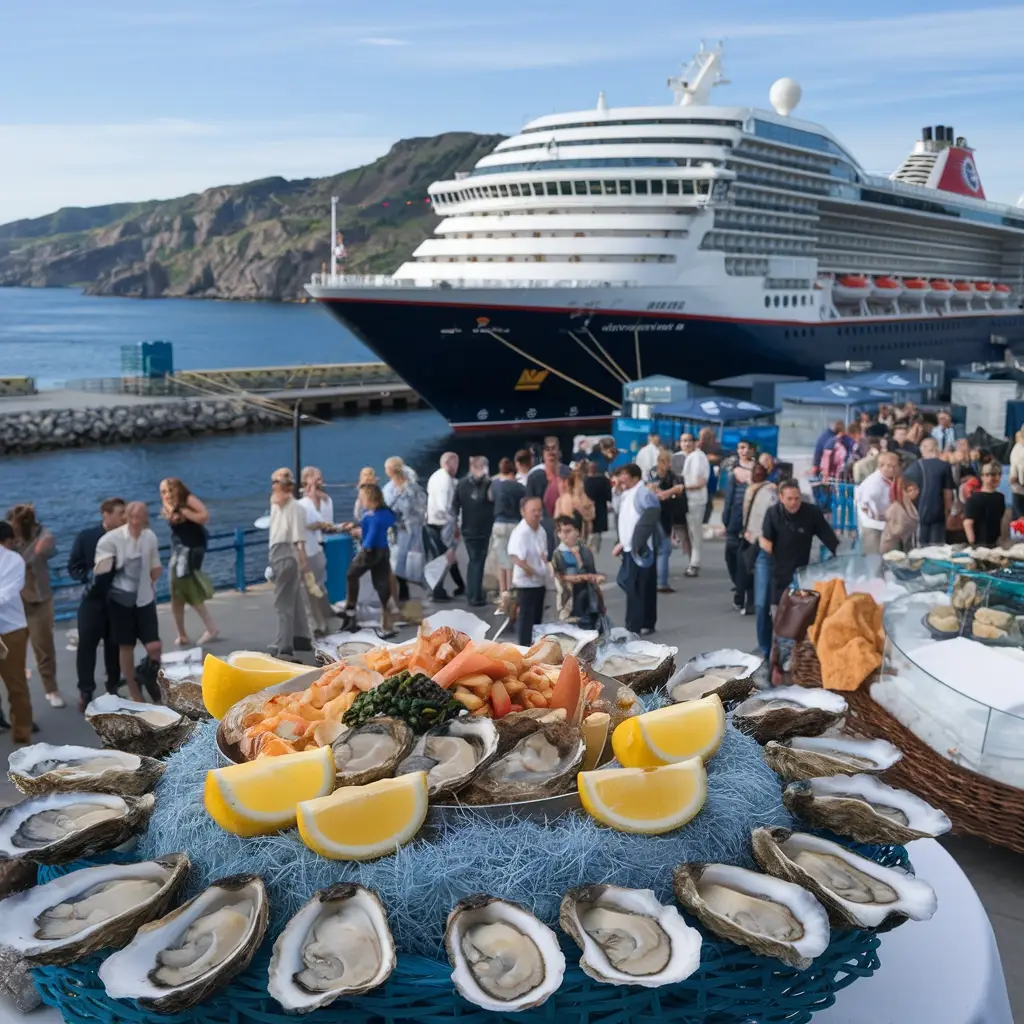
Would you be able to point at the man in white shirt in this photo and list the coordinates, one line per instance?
(639, 512)
(647, 457)
(442, 529)
(127, 567)
(873, 497)
(289, 564)
(693, 466)
(319, 509)
(945, 432)
(14, 636)
(528, 550)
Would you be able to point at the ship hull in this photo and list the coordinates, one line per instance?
(484, 365)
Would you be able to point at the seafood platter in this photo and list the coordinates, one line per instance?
(348, 760)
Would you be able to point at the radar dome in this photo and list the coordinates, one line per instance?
(785, 95)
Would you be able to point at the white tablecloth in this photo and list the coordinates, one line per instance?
(943, 971)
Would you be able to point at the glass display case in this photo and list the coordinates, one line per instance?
(962, 696)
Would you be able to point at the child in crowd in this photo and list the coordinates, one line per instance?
(579, 585)
(373, 557)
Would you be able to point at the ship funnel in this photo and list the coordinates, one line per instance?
(926, 134)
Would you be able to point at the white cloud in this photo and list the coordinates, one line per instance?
(384, 41)
(49, 166)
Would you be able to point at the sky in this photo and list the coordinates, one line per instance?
(117, 100)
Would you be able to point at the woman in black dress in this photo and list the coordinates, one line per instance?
(188, 517)
(598, 488)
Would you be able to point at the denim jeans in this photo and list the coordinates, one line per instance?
(664, 552)
(763, 601)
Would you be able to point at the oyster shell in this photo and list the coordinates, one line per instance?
(138, 728)
(788, 711)
(535, 759)
(371, 751)
(43, 768)
(59, 827)
(862, 807)
(338, 944)
(727, 672)
(571, 639)
(854, 890)
(452, 753)
(177, 961)
(808, 757)
(344, 646)
(90, 909)
(768, 915)
(184, 695)
(639, 664)
(628, 937)
(504, 959)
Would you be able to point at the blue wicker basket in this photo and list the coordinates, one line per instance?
(731, 986)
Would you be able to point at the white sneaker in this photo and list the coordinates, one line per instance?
(55, 700)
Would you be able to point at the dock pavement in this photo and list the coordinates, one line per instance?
(698, 617)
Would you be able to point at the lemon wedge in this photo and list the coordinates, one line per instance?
(258, 661)
(364, 822)
(260, 797)
(645, 800)
(225, 683)
(694, 728)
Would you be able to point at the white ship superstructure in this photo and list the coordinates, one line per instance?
(733, 214)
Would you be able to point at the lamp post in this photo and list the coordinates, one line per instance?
(334, 235)
(297, 442)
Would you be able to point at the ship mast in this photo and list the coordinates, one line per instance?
(693, 87)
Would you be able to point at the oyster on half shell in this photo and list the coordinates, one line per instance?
(337, 944)
(727, 672)
(788, 711)
(570, 639)
(639, 664)
(535, 759)
(854, 890)
(452, 753)
(136, 727)
(44, 768)
(58, 827)
(504, 959)
(177, 961)
(90, 909)
(628, 937)
(862, 807)
(808, 757)
(371, 751)
(768, 915)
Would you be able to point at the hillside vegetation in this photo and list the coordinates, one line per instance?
(259, 240)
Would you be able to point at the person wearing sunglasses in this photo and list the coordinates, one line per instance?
(985, 518)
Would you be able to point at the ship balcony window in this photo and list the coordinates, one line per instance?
(672, 187)
(564, 187)
(609, 188)
(503, 191)
(579, 188)
(595, 188)
(657, 188)
(513, 190)
(640, 188)
(625, 188)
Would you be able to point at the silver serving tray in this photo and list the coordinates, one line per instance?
(545, 809)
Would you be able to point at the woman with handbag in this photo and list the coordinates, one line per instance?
(404, 496)
(671, 492)
(187, 517)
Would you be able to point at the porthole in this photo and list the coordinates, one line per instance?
(775, 301)
(767, 301)
(785, 301)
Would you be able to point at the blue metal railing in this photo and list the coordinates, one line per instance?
(836, 501)
(234, 560)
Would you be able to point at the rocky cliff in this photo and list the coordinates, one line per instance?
(260, 240)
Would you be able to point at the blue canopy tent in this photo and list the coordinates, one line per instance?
(737, 420)
(808, 406)
(894, 382)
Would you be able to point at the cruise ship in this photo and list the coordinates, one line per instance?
(698, 241)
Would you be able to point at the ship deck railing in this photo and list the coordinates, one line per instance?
(386, 281)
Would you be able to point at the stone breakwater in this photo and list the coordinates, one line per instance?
(43, 430)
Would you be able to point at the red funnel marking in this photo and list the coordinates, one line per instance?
(960, 174)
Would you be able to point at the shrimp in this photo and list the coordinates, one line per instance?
(273, 746)
(286, 726)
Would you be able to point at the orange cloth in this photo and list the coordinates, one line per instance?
(850, 643)
(833, 594)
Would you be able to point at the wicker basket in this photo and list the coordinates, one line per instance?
(976, 805)
(731, 986)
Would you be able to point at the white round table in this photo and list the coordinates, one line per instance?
(942, 971)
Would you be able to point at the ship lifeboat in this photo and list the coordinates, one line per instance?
(851, 288)
(1000, 292)
(963, 290)
(886, 288)
(917, 286)
(983, 288)
(942, 290)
